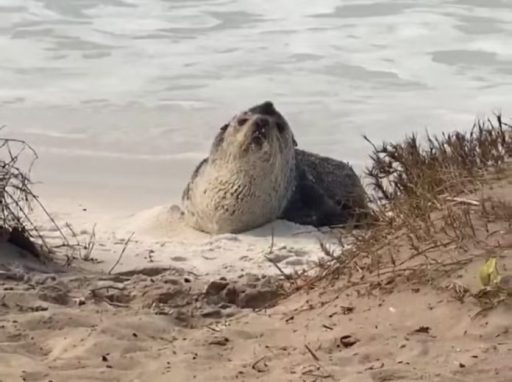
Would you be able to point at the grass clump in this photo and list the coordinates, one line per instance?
(427, 201)
(445, 165)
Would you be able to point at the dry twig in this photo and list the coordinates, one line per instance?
(125, 246)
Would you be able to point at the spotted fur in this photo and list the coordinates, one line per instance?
(255, 174)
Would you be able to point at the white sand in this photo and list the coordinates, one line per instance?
(160, 238)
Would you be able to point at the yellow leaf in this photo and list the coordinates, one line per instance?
(488, 273)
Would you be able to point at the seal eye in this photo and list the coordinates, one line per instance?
(242, 121)
(224, 128)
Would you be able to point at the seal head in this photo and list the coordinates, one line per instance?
(249, 176)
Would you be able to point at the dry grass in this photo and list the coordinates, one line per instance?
(444, 165)
(425, 213)
(18, 202)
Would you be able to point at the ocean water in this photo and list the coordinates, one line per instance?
(122, 98)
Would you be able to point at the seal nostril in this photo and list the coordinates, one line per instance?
(262, 123)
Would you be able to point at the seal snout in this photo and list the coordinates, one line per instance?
(260, 127)
(261, 123)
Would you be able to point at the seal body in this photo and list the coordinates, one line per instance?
(255, 174)
(328, 192)
(249, 176)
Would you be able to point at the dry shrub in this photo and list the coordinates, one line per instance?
(419, 189)
(411, 180)
(419, 208)
(445, 165)
(17, 200)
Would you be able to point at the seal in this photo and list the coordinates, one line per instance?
(255, 174)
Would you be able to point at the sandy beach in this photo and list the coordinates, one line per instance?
(121, 99)
(156, 300)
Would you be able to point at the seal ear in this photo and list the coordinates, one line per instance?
(294, 141)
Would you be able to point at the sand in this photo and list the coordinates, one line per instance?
(159, 237)
(52, 329)
(185, 306)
